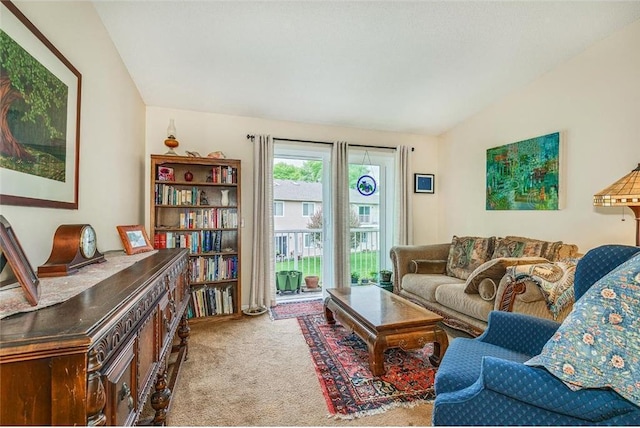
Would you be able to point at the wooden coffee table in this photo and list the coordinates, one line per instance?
(384, 320)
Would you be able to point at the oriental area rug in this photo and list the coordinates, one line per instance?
(296, 309)
(341, 360)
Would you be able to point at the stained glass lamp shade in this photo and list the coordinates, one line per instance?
(623, 193)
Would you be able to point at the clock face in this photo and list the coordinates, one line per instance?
(88, 241)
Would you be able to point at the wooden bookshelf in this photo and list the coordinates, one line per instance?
(195, 204)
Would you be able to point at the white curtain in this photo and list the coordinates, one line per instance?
(340, 213)
(262, 287)
(403, 213)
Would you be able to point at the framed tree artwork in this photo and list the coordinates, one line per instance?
(39, 117)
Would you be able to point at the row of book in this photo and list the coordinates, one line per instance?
(209, 301)
(213, 268)
(203, 241)
(165, 194)
(219, 174)
(224, 174)
(213, 218)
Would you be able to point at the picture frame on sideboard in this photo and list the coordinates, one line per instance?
(135, 239)
(12, 254)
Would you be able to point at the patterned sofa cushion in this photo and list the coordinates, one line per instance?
(597, 345)
(467, 253)
(517, 246)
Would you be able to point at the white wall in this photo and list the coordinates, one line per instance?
(594, 99)
(111, 134)
(207, 132)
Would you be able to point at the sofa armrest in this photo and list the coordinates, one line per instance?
(403, 255)
(533, 332)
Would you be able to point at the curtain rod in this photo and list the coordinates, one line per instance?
(252, 137)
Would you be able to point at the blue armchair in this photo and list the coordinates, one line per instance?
(483, 381)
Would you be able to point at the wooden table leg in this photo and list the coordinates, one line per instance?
(328, 314)
(376, 358)
(439, 346)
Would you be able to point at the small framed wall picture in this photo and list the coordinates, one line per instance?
(423, 183)
(134, 238)
(11, 253)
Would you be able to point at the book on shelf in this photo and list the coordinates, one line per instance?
(210, 301)
(224, 174)
(197, 241)
(213, 268)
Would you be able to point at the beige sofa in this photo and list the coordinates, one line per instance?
(466, 279)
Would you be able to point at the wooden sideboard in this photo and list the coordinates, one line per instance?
(102, 356)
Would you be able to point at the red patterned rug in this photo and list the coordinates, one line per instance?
(296, 309)
(342, 366)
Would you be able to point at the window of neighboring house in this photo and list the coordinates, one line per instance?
(308, 208)
(364, 214)
(278, 209)
(308, 242)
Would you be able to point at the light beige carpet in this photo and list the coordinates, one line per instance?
(258, 372)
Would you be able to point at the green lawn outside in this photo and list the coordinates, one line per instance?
(364, 263)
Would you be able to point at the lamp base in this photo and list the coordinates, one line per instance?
(636, 211)
(172, 143)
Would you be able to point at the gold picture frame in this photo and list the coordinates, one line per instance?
(135, 239)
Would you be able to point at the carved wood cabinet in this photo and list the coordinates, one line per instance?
(102, 356)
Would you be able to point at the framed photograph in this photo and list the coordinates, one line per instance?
(40, 117)
(165, 174)
(134, 239)
(423, 183)
(12, 254)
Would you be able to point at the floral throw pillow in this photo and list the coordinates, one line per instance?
(467, 253)
(597, 345)
(515, 246)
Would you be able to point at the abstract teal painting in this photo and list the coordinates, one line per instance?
(524, 175)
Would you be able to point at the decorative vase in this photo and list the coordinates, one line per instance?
(224, 200)
(188, 176)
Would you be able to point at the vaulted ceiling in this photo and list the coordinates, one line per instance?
(417, 67)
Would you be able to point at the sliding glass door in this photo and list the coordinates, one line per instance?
(371, 184)
(302, 204)
(301, 208)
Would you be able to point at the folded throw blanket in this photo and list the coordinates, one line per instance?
(597, 345)
(554, 279)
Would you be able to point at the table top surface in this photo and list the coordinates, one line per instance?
(381, 309)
